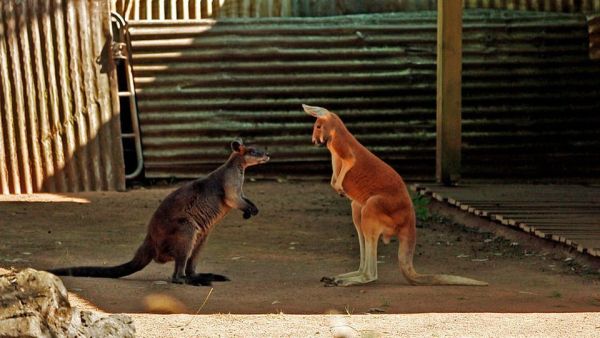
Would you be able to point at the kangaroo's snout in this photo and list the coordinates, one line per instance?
(318, 142)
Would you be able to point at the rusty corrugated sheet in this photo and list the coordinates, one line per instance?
(594, 32)
(565, 6)
(530, 91)
(59, 107)
(204, 9)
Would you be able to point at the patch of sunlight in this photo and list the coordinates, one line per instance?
(148, 79)
(44, 198)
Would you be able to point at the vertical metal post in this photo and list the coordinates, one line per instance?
(448, 110)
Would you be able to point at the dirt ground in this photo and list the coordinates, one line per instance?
(276, 259)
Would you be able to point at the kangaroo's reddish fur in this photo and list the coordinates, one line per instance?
(381, 204)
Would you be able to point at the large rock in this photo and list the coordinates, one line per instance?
(35, 304)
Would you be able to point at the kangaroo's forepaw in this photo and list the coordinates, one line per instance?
(339, 190)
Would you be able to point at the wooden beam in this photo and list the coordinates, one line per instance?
(448, 110)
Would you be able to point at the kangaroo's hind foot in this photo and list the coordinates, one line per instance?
(347, 280)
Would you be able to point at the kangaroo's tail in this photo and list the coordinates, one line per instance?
(143, 256)
(405, 258)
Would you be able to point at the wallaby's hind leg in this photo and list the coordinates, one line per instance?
(178, 275)
(181, 246)
(193, 278)
(192, 262)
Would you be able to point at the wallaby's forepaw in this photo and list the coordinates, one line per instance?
(251, 211)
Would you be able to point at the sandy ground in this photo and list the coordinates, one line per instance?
(407, 325)
(275, 262)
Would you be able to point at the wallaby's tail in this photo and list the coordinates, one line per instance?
(143, 256)
(405, 258)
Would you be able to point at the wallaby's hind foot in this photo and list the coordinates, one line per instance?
(205, 279)
(200, 279)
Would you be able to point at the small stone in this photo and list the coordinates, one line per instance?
(375, 310)
(160, 282)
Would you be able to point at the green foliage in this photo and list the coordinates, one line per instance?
(555, 294)
(421, 203)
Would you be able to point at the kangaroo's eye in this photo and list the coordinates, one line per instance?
(318, 127)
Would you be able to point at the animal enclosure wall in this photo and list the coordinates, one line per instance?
(59, 122)
(215, 9)
(530, 92)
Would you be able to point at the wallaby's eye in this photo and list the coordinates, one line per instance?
(318, 127)
(252, 152)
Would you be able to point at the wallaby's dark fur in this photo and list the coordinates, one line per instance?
(183, 221)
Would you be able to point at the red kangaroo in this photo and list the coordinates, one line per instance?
(381, 204)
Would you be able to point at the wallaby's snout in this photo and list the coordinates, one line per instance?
(251, 156)
(255, 156)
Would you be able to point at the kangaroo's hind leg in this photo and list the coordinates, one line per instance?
(356, 219)
(373, 221)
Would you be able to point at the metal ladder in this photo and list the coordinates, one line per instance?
(120, 51)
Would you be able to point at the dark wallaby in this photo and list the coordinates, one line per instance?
(183, 221)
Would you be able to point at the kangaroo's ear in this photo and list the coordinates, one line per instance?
(315, 111)
(237, 145)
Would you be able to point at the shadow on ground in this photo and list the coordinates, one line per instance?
(275, 260)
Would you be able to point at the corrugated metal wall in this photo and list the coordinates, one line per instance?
(530, 92)
(59, 123)
(203, 9)
(594, 30)
(531, 98)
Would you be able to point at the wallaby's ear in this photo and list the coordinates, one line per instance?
(314, 111)
(237, 145)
